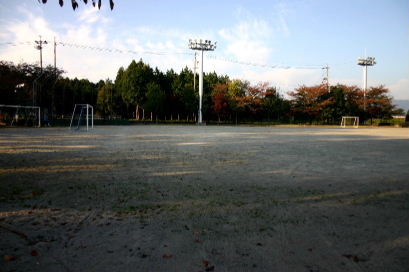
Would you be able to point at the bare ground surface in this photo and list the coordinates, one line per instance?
(187, 198)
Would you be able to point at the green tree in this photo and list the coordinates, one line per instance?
(135, 81)
(183, 93)
(28, 84)
(106, 101)
(236, 92)
(155, 99)
(276, 106)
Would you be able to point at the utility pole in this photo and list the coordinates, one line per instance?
(55, 74)
(201, 46)
(194, 73)
(326, 78)
(365, 62)
(55, 57)
(39, 46)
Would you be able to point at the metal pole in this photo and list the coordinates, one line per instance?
(72, 117)
(55, 74)
(40, 47)
(92, 117)
(365, 62)
(365, 84)
(200, 88)
(39, 117)
(41, 55)
(87, 116)
(55, 56)
(194, 73)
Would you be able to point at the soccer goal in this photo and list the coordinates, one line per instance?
(82, 117)
(350, 121)
(17, 115)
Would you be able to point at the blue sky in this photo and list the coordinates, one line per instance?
(290, 35)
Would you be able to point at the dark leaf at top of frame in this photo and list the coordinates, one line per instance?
(74, 4)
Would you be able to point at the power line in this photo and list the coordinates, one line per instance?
(275, 66)
(164, 53)
(103, 49)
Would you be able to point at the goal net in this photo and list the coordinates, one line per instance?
(17, 115)
(350, 121)
(82, 117)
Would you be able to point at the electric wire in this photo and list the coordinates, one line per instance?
(164, 53)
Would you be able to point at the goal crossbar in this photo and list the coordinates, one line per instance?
(352, 121)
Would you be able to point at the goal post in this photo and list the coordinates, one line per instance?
(350, 121)
(82, 115)
(17, 115)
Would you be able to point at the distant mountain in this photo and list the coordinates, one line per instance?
(403, 104)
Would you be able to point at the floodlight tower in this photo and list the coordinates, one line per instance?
(201, 46)
(365, 62)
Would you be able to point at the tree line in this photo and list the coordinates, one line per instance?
(141, 92)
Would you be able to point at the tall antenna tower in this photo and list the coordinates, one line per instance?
(365, 62)
(201, 45)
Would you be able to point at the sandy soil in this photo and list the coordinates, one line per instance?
(188, 198)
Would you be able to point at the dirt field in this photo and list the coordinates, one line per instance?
(188, 198)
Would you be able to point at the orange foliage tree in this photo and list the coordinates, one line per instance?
(308, 103)
(221, 100)
(379, 102)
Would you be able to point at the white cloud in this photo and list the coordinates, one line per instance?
(282, 11)
(23, 32)
(89, 15)
(400, 89)
(247, 41)
(77, 62)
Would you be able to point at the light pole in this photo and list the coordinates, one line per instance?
(39, 46)
(194, 72)
(201, 46)
(365, 62)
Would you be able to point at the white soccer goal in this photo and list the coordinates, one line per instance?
(350, 121)
(17, 115)
(81, 116)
